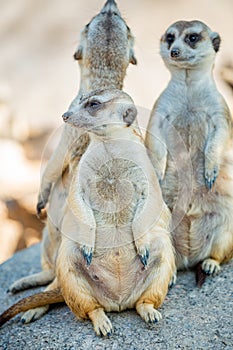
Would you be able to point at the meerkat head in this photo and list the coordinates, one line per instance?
(187, 44)
(102, 111)
(106, 40)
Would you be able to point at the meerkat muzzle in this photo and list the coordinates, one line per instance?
(175, 53)
(66, 115)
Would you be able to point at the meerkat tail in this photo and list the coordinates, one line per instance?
(200, 275)
(35, 300)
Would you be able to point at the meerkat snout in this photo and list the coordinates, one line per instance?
(175, 53)
(66, 115)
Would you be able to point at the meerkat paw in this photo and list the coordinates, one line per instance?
(211, 174)
(43, 199)
(102, 324)
(15, 287)
(173, 280)
(87, 252)
(34, 314)
(143, 253)
(210, 267)
(148, 313)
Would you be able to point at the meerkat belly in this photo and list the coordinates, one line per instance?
(199, 227)
(186, 141)
(193, 235)
(117, 277)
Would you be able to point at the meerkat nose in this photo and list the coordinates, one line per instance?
(66, 115)
(175, 53)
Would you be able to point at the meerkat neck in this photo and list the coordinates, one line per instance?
(191, 77)
(132, 132)
(94, 79)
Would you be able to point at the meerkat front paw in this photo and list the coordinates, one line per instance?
(210, 267)
(43, 199)
(87, 252)
(102, 324)
(148, 313)
(211, 174)
(173, 280)
(143, 252)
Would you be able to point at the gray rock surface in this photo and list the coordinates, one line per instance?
(192, 318)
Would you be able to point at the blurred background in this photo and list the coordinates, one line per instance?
(39, 79)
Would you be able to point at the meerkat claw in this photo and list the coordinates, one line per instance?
(210, 178)
(144, 257)
(87, 254)
(39, 207)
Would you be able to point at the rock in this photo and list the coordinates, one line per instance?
(205, 323)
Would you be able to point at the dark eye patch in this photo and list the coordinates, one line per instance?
(192, 39)
(92, 104)
(170, 38)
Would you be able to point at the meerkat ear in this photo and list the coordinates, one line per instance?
(216, 40)
(78, 55)
(129, 114)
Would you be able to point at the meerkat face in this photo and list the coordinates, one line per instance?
(187, 44)
(106, 40)
(102, 111)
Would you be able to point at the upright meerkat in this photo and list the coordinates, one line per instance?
(189, 139)
(116, 251)
(104, 53)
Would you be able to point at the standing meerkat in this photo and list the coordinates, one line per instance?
(104, 53)
(116, 251)
(189, 139)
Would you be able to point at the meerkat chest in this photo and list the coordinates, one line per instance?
(190, 120)
(113, 192)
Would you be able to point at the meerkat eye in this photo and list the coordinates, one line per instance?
(192, 38)
(170, 38)
(93, 104)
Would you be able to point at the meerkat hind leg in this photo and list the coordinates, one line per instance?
(38, 279)
(210, 266)
(102, 324)
(36, 313)
(148, 313)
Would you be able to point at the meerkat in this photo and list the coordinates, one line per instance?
(104, 52)
(189, 140)
(116, 252)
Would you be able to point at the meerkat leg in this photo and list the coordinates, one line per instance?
(153, 298)
(155, 294)
(173, 279)
(213, 151)
(38, 279)
(77, 292)
(79, 222)
(36, 313)
(211, 266)
(156, 146)
(56, 164)
(143, 235)
(222, 251)
(49, 247)
(102, 324)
